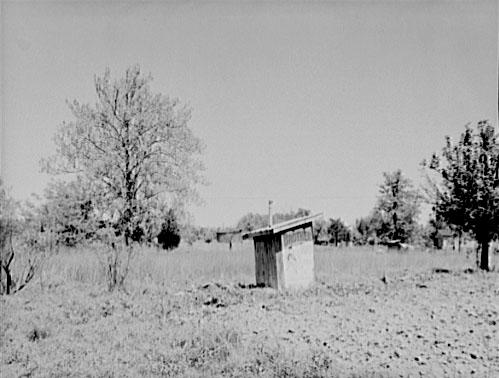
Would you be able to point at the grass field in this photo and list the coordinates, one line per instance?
(190, 313)
(192, 265)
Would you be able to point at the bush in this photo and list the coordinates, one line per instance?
(169, 236)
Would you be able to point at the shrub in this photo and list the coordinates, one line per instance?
(169, 236)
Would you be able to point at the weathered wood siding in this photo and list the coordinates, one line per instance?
(266, 249)
(298, 258)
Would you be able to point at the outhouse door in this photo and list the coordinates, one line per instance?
(266, 248)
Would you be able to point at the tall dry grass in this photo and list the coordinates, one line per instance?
(366, 263)
(201, 263)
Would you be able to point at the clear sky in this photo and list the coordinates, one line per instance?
(305, 103)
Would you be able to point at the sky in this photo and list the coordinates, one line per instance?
(305, 103)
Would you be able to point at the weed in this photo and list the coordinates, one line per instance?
(37, 333)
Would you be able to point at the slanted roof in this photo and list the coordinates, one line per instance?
(281, 227)
(229, 232)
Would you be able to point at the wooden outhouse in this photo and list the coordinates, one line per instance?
(284, 254)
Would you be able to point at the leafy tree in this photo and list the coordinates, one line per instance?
(169, 236)
(67, 212)
(252, 221)
(420, 236)
(338, 231)
(135, 148)
(397, 208)
(365, 230)
(468, 195)
(434, 230)
(321, 231)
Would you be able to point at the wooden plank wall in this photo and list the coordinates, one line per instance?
(298, 258)
(260, 261)
(266, 248)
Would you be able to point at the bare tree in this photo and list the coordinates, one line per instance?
(10, 282)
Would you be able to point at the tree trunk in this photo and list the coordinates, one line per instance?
(8, 279)
(484, 256)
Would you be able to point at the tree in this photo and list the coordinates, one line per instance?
(67, 212)
(252, 221)
(338, 232)
(467, 196)
(365, 230)
(13, 280)
(320, 228)
(7, 228)
(396, 211)
(433, 232)
(136, 150)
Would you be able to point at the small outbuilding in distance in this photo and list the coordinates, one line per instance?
(284, 254)
(229, 237)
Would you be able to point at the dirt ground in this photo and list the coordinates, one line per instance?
(430, 323)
